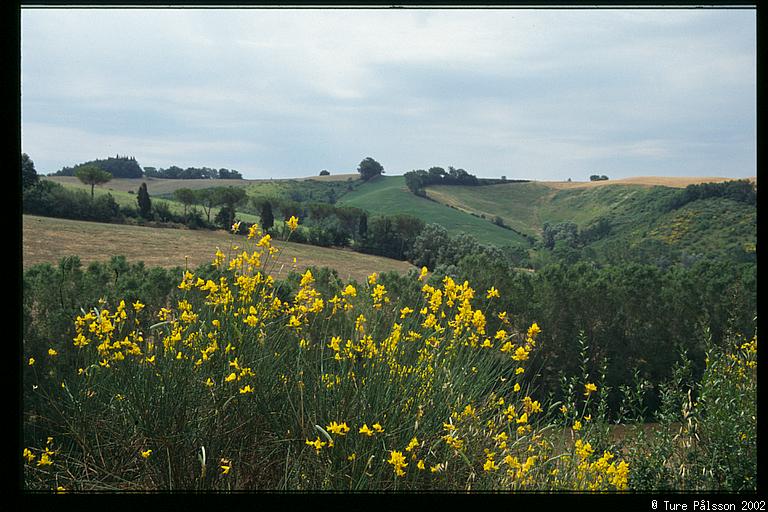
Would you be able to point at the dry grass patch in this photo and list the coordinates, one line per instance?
(47, 240)
(666, 181)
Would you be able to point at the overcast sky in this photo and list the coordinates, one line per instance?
(538, 94)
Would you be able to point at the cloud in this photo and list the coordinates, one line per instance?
(286, 92)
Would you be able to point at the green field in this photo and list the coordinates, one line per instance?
(388, 195)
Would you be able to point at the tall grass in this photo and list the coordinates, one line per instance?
(245, 383)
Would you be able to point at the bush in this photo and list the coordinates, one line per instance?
(229, 387)
(50, 199)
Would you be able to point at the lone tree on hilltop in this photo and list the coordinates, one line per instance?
(369, 168)
(92, 175)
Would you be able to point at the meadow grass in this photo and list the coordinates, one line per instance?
(386, 195)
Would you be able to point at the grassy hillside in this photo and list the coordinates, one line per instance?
(518, 204)
(636, 212)
(388, 195)
(711, 227)
(47, 240)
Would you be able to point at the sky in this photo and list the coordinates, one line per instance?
(542, 94)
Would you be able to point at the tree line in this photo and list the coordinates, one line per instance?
(192, 173)
(743, 191)
(127, 167)
(417, 180)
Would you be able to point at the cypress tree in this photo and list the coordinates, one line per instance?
(145, 203)
(267, 217)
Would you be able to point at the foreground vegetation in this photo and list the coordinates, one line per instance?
(224, 378)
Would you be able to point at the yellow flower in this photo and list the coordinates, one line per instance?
(412, 444)
(146, 453)
(338, 428)
(317, 444)
(366, 430)
(397, 459)
(351, 457)
(31, 361)
(28, 455)
(377, 428)
(52, 352)
(45, 460)
(420, 464)
(492, 292)
(292, 223)
(589, 388)
(225, 466)
(520, 354)
(372, 278)
(577, 425)
(246, 389)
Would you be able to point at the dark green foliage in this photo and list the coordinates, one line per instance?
(92, 175)
(144, 202)
(566, 232)
(324, 173)
(117, 167)
(50, 199)
(362, 226)
(225, 217)
(192, 173)
(419, 179)
(369, 168)
(185, 196)
(29, 175)
(230, 198)
(637, 317)
(743, 191)
(162, 212)
(391, 236)
(267, 217)
(598, 177)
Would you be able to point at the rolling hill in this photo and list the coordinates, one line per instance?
(388, 195)
(631, 210)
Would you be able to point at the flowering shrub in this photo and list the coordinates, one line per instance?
(239, 385)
